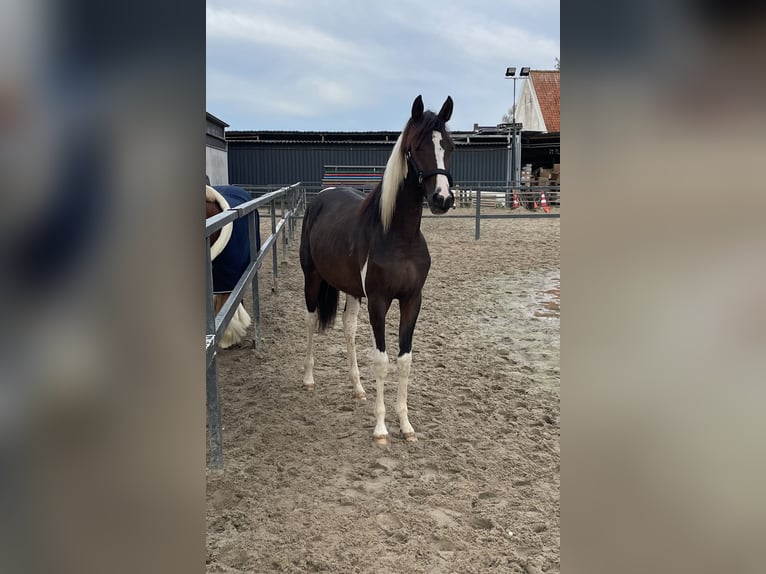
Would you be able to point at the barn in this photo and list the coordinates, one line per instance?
(273, 158)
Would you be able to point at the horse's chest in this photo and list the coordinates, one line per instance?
(398, 277)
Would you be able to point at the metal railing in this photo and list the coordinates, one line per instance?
(292, 200)
(496, 194)
(505, 197)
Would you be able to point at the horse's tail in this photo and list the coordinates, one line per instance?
(327, 305)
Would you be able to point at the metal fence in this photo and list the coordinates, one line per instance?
(489, 199)
(509, 200)
(292, 201)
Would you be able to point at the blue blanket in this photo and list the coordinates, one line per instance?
(235, 257)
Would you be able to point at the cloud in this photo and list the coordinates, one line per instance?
(293, 64)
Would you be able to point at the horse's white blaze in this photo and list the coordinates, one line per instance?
(308, 374)
(364, 275)
(442, 183)
(349, 331)
(403, 364)
(380, 367)
(393, 176)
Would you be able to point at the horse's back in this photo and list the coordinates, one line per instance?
(329, 242)
(338, 200)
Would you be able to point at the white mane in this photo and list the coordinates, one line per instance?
(393, 176)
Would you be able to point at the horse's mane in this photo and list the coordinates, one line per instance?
(381, 202)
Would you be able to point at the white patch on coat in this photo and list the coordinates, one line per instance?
(364, 275)
(312, 320)
(380, 368)
(403, 365)
(350, 315)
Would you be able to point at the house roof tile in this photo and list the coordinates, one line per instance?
(547, 84)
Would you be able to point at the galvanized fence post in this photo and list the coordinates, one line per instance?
(252, 228)
(478, 214)
(274, 247)
(211, 381)
(293, 212)
(284, 231)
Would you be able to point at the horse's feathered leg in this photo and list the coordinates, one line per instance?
(378, 307)
(349, 330)
(409, 316)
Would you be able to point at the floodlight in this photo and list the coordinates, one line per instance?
(524, 72)
(510, 72)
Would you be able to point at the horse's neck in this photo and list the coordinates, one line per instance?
(409, 210)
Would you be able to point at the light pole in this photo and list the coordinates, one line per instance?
(510, 74)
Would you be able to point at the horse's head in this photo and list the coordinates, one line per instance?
(428, 149)
(421, 157)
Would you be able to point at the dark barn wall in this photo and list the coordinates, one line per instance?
(280, 164)
(479, 163)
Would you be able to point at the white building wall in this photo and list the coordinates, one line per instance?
(528, 110)
(216, 166)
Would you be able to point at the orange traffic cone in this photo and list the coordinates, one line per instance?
(516, 203)
(544, 203)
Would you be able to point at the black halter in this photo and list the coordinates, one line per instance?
(422, 176)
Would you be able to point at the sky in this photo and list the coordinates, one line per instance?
(357, 65)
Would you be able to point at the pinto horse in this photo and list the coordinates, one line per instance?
(373, 247)
(230, 256)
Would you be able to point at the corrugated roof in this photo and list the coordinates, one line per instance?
(219, 121)
(270, 137)
(547, 84)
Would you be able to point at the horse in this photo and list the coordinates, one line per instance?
(372, 247)
(230, 256)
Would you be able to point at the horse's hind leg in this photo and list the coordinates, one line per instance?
(311, 291)
(409, 316)
(350, 315)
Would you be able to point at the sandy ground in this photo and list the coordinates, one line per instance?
(304, 489)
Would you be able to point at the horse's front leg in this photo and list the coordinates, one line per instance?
(377, 308)
(410, 309)
(349, 331)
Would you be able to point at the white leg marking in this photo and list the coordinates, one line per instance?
(364, 275)
(442, 183)
(380, 366)
(308, 369)
(403, 364)
(349, 331)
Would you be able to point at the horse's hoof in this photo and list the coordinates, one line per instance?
(410, 437)
(381, 440)
(361, 396)
(309, 388)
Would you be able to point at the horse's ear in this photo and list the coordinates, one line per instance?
(446, 112)
(417, 109)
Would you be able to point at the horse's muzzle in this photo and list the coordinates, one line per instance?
(440, 202)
